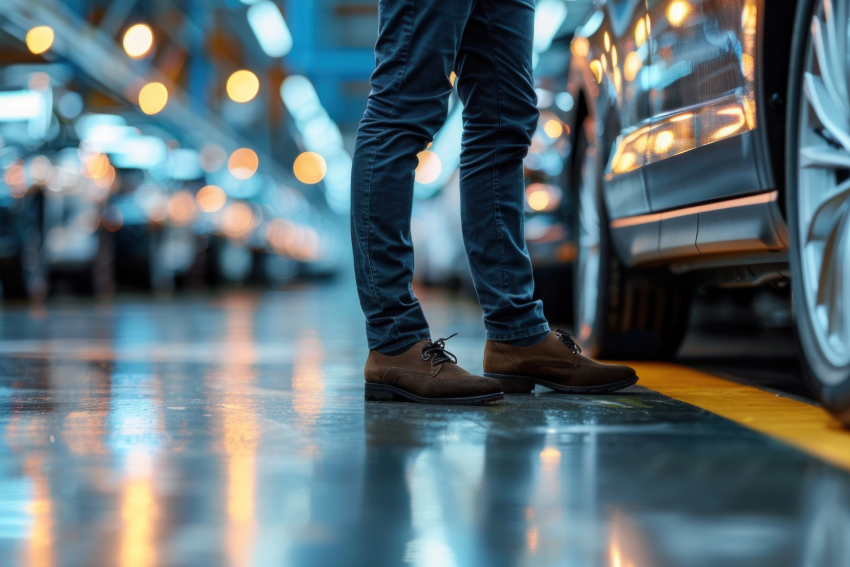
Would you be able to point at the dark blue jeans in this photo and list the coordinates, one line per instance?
(420, 42)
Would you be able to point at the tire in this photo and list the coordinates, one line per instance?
(818, 215)
(619, 313)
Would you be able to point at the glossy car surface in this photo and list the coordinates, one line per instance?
(711, 148)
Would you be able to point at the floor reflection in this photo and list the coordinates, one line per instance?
(232, 431)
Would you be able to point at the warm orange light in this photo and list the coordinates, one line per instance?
(237, 220)
(677, 12)
(538, 200)
(632, 65)
(550, 456)
(624, 162)
(640, 32)
(181, 208)
(541, 197)
(663, 142)
(553, 128)
(243, 86)
(106, 180)
(614, 56)
(580, 47)
(453, 78)
(16, 179)
(95, 166)
(429, 167)
(310, 168)
(243, 163)
(152, 98)
(40, 39)
(596, 67)
(607, 39)
(138, 40)
(211, 198)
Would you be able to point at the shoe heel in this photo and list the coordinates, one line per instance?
(513, 385)
(379, 393)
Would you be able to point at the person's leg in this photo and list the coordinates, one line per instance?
(415, 54)
(496, 85)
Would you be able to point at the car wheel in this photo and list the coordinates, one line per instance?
(818, 198)
(619, 313)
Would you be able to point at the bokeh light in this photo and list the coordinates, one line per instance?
(95, 165)
(580, 47)
(553, 128)
(310, 168)
(211, 198)
(212, 157)
(138, 40)
(243, 86)
(237, 220)
(40, 39)
(677, 12)
(181, 208)
(429, 168)
(112, 219)
(243, 163)
(152, 98)
(542, 197)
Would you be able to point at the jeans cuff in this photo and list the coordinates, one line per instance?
(521, 334)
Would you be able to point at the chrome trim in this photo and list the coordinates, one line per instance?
(729, 204)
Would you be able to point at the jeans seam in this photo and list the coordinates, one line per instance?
(400, 81)
(496, 209)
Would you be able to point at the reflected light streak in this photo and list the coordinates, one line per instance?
(731, 129)
(240, 430)
(531, 538)
(138, 513)
(40, 550)
(308, 379)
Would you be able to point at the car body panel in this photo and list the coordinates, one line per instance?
(672, 88)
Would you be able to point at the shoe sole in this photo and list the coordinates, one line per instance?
(525, 385)
(385, 393)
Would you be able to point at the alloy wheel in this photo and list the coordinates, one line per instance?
(823, 197)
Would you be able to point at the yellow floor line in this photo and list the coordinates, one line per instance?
(806, 427)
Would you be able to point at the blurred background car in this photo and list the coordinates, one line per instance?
(159, 146)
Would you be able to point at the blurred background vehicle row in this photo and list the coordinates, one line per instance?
(172, 145)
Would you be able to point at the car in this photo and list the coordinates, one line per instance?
(711, 147)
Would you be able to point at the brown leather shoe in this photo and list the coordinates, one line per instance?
(554, 362)
(427, 373)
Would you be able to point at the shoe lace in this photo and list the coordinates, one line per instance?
(567, 339)
(436, 352)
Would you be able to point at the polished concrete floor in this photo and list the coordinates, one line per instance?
(232, 430)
